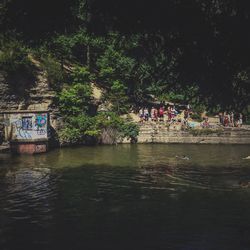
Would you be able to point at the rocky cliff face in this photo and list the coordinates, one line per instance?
(26, 94)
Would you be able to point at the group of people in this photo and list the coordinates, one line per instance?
(159, 114)
(171, 115)
(231, 119)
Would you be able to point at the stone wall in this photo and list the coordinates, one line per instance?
(159, 133)
(26, 126)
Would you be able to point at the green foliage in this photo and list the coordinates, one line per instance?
(199, 108)
(79, 129)
(61, 47)
(165, 60)
(81, 11)
(86, 48)
(156, 72)
(213, 111)
(74, 100)
(54, 72)
(172, 97)
(122, 42)
(14, 57)
(109, 119)
(81, 122)
(69, 135)
(241, 90)
(130, 130)
(193, 97)
(124, 128)
(3, 10)
(114, 65)
(82, 128)
(196, 116)
(81, 75)
(118, 97)
(158, 57)
(163, 72)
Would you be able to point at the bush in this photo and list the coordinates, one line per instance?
(70, 135)
(79, 129)
(117, 125)
(130, 131)
(83, 128)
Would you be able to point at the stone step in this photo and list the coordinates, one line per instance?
(160, 133)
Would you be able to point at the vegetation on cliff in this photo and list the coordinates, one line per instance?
(192, 52)
(82, 125)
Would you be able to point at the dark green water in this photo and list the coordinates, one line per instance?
(126, 197)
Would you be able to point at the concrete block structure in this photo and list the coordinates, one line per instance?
(27, 131)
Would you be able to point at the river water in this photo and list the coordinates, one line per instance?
(126, 197)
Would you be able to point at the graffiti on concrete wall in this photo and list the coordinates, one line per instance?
(29, 126)
(27, 123)
(19, 131)
(41, 124)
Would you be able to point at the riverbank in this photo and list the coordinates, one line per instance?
(160, 133)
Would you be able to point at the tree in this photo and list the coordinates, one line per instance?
(61, 47)
(114, 65)
(118, 97)
(81, 75)
(74, 100)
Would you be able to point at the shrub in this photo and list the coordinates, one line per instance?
(130, 130)
(118, 126)
(83, 128)
(69, 135)
(79, 129)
